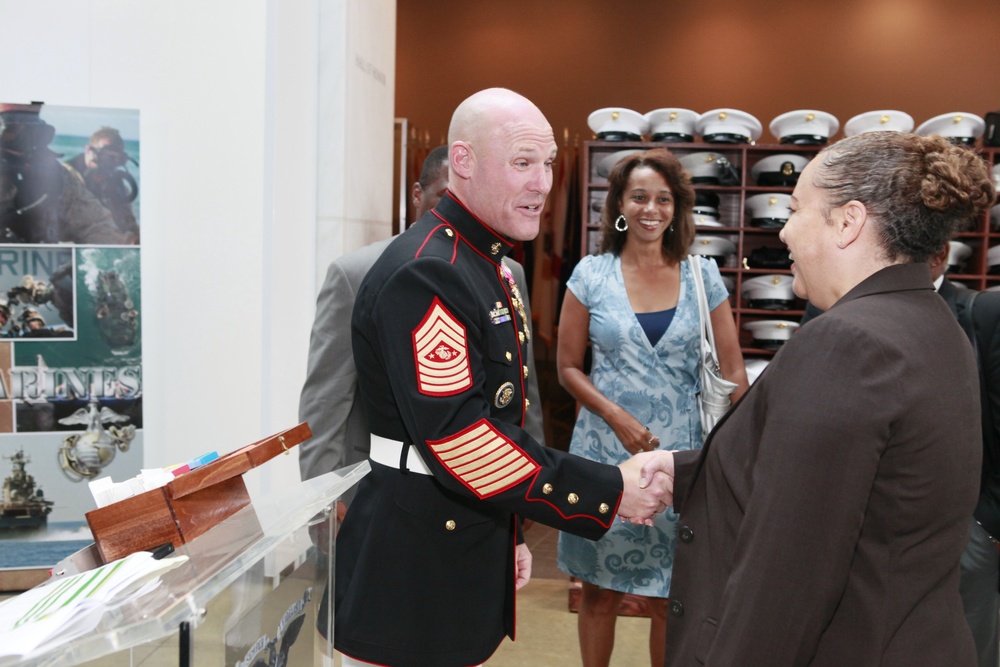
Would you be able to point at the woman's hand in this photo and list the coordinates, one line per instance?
(633, 434)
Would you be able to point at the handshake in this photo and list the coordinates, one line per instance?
(648, 486)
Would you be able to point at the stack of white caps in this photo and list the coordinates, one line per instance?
(706, 209)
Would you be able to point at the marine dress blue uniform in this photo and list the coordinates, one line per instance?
(425, 563)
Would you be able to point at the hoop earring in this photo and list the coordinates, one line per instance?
(621, 224)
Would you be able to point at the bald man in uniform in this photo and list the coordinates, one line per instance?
(430, 554)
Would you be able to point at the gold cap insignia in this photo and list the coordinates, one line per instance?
(673, 115)
(771, 201)
(614, 115)
(810, 117)
(884, 119)
(723, 115)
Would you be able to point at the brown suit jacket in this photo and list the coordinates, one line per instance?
(823, 522)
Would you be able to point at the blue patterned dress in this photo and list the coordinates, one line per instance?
(658, 385)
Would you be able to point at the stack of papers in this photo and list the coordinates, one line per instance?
(66, 608)
(107, 492)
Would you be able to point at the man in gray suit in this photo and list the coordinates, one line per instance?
(340, 430)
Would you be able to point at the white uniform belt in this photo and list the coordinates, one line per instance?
(387, 453)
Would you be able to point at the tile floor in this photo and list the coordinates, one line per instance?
(546, 629)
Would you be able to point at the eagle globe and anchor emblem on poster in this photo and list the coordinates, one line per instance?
(84, 455)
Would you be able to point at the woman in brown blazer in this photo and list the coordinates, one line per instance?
(823, 521)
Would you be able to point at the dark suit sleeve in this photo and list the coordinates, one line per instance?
(327, 398)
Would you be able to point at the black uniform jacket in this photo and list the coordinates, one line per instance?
(823, 521)
(986, 329)
(425, 569)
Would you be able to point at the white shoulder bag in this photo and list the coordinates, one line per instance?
(715, 389)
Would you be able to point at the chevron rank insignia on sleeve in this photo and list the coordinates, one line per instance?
(484, 459)
(441, 353)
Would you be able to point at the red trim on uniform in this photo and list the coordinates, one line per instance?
(503, 240)
(454, 250)
(513, 597)
(441, 353)
(605, 524)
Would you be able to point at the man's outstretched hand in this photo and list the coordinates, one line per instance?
(648, 486)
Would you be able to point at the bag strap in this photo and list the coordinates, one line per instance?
(705, 315)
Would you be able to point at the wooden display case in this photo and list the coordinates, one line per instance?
(597, 155)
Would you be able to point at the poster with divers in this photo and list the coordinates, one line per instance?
(70, 322)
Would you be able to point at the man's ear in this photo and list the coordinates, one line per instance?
(417, 194)
(462, 159)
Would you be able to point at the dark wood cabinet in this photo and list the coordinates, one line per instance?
(598, 156)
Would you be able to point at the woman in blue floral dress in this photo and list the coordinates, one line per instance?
(635, 304)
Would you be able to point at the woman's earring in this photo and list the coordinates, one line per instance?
(621, 224)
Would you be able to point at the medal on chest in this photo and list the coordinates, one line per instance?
(516, 300)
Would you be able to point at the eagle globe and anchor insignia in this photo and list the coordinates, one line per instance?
(504, 395)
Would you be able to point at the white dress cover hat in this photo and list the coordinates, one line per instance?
(709, 167)
(769, 209)
(959, 127)
(958, 252)
(771, 334)
(617, 124)
(879, 121)
(606, 163)
(713, 246)
(805, 127)
(671, 125)
(772, 292)
(728, 126)
(779, 170)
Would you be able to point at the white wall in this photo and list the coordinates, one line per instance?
(229, 95)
